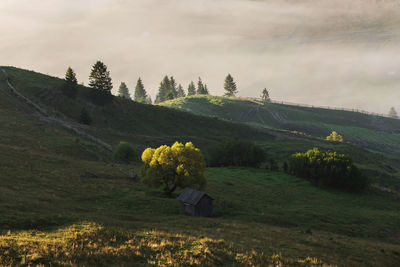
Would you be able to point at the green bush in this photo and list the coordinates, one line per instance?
(85, 118)
(328, 169)
(237, 153)
(124, 153)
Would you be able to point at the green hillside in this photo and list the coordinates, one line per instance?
(63, 201)
(379, 136)
(378, 133)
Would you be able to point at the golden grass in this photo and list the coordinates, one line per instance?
(90, 244)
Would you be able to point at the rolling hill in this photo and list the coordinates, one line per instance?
(63, 201)
(374, 132)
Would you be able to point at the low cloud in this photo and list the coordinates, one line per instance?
(335, 53)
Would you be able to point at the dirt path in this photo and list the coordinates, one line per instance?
(45, 116)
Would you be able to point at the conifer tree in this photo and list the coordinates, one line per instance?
(148, 100)
(200, 87)
(206, 90)
(393, 113)
(70, 76)
(181, 93)
(99, 78)
(100, 81)
(173, 87)
(230, 86)
(191, 89)
(265, 96)
(164, 89)
(70, 86)
(140, 92)
(123, 91)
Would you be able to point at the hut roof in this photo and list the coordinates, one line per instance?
(191, 196)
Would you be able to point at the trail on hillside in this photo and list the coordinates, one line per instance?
(45, 116)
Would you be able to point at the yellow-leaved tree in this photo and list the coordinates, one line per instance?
(334, 136)
(178, 166)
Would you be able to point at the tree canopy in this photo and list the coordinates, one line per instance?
(265, 96)
(201, 88)
(70, 86)
(334, 136)
(164, 91)
(181, 93)
(178, 166)
(140, 92)
(123, 91)
(99, 78)
(191, 89)
(328, 169)
(230, 86)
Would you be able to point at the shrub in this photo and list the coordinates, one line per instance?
(285, 167)
(178, 166)
(273, 166)
(124, 153)
(334, 136)
(237, 153)
(85, 118)
(328, 169)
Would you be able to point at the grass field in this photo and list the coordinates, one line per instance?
(374, 132)
(63, 201)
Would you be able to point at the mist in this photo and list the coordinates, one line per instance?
(320, 52)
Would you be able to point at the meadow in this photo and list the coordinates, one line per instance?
(65, 202)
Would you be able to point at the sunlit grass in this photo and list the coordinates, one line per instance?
(91, 244)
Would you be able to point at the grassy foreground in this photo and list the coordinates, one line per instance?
(260, 217)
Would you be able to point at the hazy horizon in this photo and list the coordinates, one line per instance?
(338, 54)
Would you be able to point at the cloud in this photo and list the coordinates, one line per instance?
(336, 53)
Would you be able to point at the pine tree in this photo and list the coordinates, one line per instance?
(265, 96)
(123, 91)
(206, 90)
(99, 78)
(148, 100)
(393, 113)
(230, 86)
(200, 87)
(164, 89)
(191, 89)
(140, 92)
(70, 86)
(70, 76)
(173, 87)
(181, 93)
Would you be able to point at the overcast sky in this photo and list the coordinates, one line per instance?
(323, 52)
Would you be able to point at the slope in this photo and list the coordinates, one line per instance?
(147, 125)
(374, 132)
(64, 202)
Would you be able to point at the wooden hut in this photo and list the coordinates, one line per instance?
(195, 202)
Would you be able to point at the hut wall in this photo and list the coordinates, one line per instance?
(188, 208)
(204, 207)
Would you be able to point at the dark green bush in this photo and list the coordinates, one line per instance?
(236, 153)
(124, 153)
(328, 169)
(85, 118)
(273, 166)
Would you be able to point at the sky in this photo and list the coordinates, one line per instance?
(321, 52)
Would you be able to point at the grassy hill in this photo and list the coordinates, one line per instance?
(378, 135)
(63, 201)
(374, 132)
